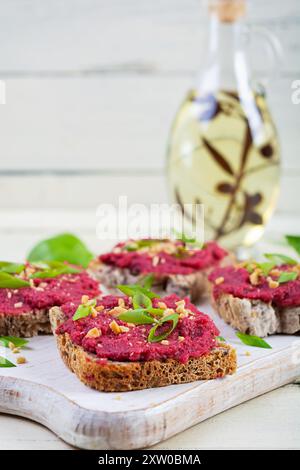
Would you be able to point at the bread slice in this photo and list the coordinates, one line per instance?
(25, 324)
(195, 285)
(113, 376)
(256, 317)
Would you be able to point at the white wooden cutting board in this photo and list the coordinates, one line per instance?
(46, 391)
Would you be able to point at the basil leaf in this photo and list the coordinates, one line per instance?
(132, 289)
(286, 277)
(255, 341)
(84, 310)
(294, 242)
(279, 259)
(266, 267)
(62, 247)
(137, 316)
(152, 338)
(5, 362)
(140, 300)
(18, 342)
(11, 268)
(7, 281)
(221, 339)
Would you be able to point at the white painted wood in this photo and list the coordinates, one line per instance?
(45, 391)
(95, 85)
(109, 122)
(86, 192)
(255, 424)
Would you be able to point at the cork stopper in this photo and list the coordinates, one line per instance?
(228, 11)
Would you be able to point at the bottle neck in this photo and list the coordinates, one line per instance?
(226, 65)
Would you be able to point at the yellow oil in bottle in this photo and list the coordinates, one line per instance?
(224, 153)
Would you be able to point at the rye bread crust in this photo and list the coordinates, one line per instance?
(255, 317)
(125, 376)
(25, 324)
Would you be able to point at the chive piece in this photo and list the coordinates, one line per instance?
(137, 316)
(132, 289)
(5, 362)
(18, 342)
(251, 340)
(286, 276)
(279, 259)
(84, 310)
(294, 242)
(152, 338)
(7, 281)
(140, 300)
(221, 339)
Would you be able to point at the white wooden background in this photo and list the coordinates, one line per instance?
(92, 87)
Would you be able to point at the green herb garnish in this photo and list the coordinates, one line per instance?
(266, 267)
(58, 269)
(286, 276)
(84, 310)
(251, 340)
(144, 243)
(221, 339)
(294, 242)
(7, 281)
(11, 268)
(147, 281)
(62, 247)
(188, 241)
(152, 338)
(137, 316)
(5, 362)
(17, 342)
(141, 300)
(279, 259)
(132, 289)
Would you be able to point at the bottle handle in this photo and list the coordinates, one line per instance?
(275, 52)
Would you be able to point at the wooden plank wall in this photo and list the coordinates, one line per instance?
(92, 87)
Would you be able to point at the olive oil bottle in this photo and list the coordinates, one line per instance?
(223, 149)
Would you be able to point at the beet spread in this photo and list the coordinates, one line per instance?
(193, 336)
(237, 282)
(168, 257)
(46, 293)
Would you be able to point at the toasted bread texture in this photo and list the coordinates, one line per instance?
(113, 376)
(194, 285)
(25, 324)
(255, 317)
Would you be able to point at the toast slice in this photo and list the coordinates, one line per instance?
(255, 317)
(176, 267)
(257, 303)
(115, 375)
(26, 324)
(27, 296)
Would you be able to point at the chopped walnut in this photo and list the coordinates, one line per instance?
(255, 277)
(165, 342)
(219, 280)
(93, 333)
(21, 360)
(115, 327)
(84, 299)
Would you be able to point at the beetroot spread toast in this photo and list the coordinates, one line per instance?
(258, 299)
(28, 291)
(121, 343)
(177, 267)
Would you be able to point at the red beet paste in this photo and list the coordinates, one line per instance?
(198, 330)
(47, 293)
(141, 262)
(237, 282)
